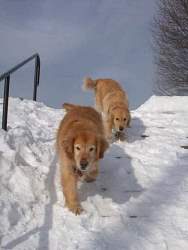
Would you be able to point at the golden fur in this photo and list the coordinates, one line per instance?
(80, 145)
(112, 101)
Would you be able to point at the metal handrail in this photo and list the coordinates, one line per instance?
(6, 76)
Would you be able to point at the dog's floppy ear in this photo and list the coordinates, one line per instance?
(102, 146)
(129, 119)
(68, 146)
(111, 113)
(68, 106)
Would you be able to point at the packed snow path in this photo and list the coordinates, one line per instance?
(139, 200)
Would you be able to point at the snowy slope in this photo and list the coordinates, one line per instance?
(139, 201)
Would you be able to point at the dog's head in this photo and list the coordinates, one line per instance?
(120, 117)
(85, 148)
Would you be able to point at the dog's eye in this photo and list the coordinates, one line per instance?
(77, 148)
(124, 119)
(91, 149)
(117, 119)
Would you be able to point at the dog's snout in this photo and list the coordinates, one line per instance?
(121, 128)
(83, 164)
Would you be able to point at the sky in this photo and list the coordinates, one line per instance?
(97, 38)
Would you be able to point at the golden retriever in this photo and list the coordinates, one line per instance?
(80, 144)
(112, 101)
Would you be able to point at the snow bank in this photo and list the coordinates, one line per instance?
(165, 104)
(139, 200)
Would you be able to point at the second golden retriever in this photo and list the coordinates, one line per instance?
(80, 145)
(112, 101)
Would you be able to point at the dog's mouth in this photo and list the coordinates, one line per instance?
(117, 132)
(80, 172)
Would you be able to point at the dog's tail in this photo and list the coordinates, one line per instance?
(89, 83)
(68, 106)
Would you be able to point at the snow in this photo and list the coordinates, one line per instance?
(139, 200)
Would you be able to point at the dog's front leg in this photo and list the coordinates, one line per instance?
(69, 183)
(108, 129)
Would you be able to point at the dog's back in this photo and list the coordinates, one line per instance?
(83, 114)
(106, 92)
(101, 85)
(106, 86)
(80, 118)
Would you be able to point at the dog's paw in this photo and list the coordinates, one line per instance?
(119, 136)
(122, 137)
(90, 179)
(76, 209)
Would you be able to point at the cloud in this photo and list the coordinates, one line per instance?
(78, 38)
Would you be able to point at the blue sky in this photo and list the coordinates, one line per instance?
(97, 38)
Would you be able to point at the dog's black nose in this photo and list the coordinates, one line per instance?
(83, 164)
(121, 128)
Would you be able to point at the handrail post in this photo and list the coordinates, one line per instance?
(5, 102)
(36, 77)
(6, 76)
